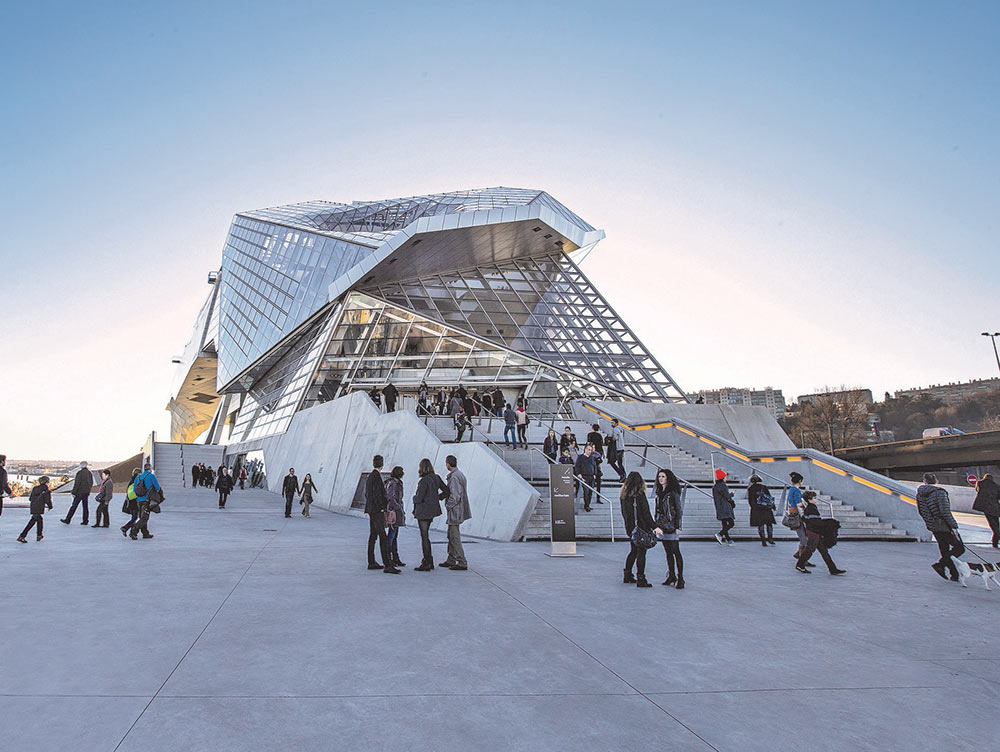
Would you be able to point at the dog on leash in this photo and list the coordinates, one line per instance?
(968, 569)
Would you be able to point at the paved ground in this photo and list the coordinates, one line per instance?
(240, 630)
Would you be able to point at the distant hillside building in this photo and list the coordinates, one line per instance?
(847, 395)
(954, 394)
(767, 397)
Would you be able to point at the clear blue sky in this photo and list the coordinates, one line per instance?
(795, 194)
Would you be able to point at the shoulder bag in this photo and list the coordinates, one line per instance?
(641, 538)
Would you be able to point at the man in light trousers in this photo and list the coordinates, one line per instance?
(459, 511)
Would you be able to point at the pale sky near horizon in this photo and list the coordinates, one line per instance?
(794, 194)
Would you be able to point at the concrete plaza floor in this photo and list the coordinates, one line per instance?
(241, 630)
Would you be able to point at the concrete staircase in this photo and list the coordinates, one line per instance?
(172, 462)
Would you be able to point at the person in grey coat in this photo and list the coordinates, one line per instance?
(103, 498)
(724, 506)
(459, 511)
(935, 509)
(82, 483)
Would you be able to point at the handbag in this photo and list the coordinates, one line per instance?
(390, 517)
(641, 538)
(791, 521)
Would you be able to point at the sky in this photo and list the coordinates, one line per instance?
(795, 194)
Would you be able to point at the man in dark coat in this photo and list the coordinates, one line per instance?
(498, 401)
(289, 487)
(935, 509)
(375, 504)
(195, 475)
(82, 483)
(724, 506)
(988, 502)
(390, 393)
(4, 485)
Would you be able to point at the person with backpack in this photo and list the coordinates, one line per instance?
(306, 498)
(761, 510)
(147, 494)
(509, 427)
(724, 508)
(83, 481)
(130, 506)
(224, 485)
(431, 491)
(988, 502)
(39, 500)
(375, 506)
(668, 515)
(103, 498)
(635, 512)
(395, 514)
(820, 534)
(461, 423)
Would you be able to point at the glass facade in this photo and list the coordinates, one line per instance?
(311, 307)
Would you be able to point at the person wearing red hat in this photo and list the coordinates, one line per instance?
(724, 507)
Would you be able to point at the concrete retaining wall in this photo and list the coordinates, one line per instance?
(336, 441)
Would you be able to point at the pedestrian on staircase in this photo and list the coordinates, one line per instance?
(635, 512)
(988, 502)
(585, 468)
(724, 507)
(521, 418)
(39, 500)
(390, 393)
(461, 423)
(668, 516)
(290, 487)
(103, 498)
(509, 427)
(243, 476)
(550, 447)
(308, 488)
(224, 485)
(761, 510)
(376, 396)
(618, 460)
(195, 475)
(83, 481)
(498, 401)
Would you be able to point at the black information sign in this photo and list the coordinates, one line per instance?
(563, 506)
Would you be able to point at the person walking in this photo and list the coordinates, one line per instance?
(442, 401)
(793, 514)
(145, 486)
(83, 481)
(510, 427)
(376, 396)
(761, 510)
(422, 399)
(596, 438)
(431, 490)
(289, 487)
(521, 418)
(39, 500)
(462, 422)
(498, 401)
(224, 485)
(635, 512)
(243, 476)
(487, 402)
(130, 506)
(375, 504)
(618, 461)
(195, 475)
(395, 514)
(391, 393)
(988, 502)
(818, 530)
(668, 515)
(934, 507)
(584, 469)
(724, 507)
(567, 440)
(308, 488)
(459, 511)
(550, 447)
(103, 498)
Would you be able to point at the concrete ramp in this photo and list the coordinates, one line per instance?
(335, 443)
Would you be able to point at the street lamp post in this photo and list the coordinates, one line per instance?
(993, 338)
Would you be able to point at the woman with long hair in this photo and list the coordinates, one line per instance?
(306, 498)
(551, 446)
(761, 510)
(667, 517)
(394, 504)
(635, 511)
(431, 490)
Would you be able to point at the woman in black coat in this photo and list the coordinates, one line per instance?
(668, 518)
(431, 491)
(761, 510)
(224, 485)
(988, 502)
(635, 511)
